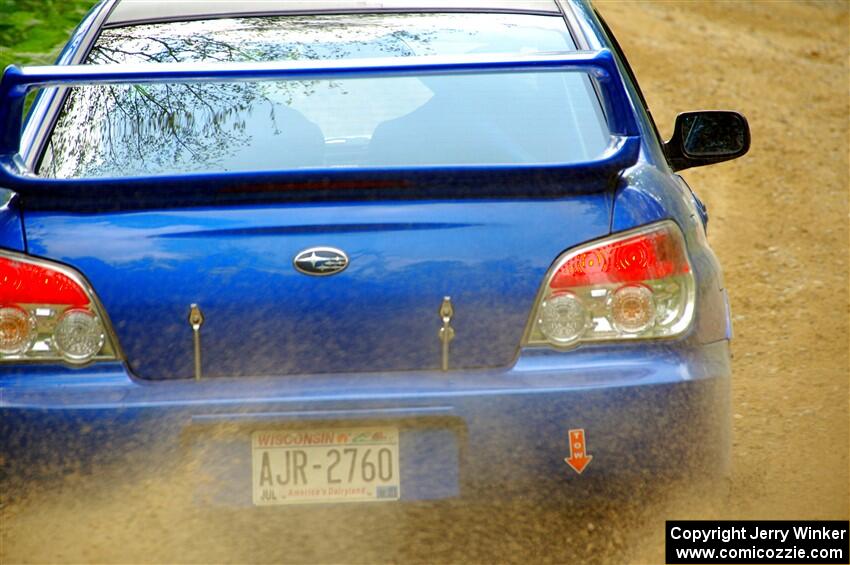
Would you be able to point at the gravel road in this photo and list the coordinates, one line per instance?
(779, 223)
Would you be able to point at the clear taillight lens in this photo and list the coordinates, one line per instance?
(49, 313)
(635, 285)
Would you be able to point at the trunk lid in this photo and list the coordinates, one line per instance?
(264, 317)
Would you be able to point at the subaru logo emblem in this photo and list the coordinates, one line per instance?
(321, 261)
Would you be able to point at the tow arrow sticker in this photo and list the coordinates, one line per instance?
(578, 458)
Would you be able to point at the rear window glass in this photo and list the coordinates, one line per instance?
(505, 118)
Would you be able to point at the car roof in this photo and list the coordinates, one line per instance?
(129, 12)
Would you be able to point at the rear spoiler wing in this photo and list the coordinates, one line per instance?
(204, 188)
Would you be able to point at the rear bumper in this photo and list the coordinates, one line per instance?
(649, 413)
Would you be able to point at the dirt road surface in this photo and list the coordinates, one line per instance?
(779, 223)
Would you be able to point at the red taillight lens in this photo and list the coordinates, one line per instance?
(35, 284)
(648, 256)
(633, 285)
(48, 312)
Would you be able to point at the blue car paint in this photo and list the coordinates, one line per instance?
(379, 314)
(11, 226)
(509, 422)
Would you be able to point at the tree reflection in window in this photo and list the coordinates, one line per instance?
(148, 129)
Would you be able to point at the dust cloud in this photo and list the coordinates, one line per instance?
(779, 224)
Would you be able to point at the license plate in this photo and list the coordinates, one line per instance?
(325, 465)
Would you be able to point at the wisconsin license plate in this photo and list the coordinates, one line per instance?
(325, 465)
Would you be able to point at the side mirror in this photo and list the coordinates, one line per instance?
(706, 137)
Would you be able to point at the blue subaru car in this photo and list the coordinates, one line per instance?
(335, 253)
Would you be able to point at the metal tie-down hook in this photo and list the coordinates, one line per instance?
(196, 320)
(447, 332)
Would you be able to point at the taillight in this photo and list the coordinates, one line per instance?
(635, 285)
(49, 313)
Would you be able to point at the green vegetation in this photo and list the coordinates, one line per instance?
(32, 32)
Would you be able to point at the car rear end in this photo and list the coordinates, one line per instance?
(422, 263)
